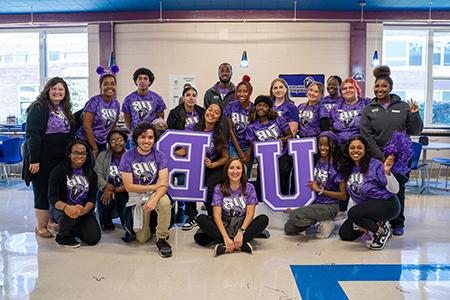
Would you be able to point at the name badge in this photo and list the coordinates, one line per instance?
(375, 110)
(395, 111)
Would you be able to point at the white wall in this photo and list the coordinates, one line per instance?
(374, 42)
(198, 48)
(94, 58)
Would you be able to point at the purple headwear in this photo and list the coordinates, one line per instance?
(331, 136)
(113, 70)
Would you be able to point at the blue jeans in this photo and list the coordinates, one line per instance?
(232, 152)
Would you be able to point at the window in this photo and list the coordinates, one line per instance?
(26, 63)
(419, 59)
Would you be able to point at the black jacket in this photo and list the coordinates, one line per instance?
(213, 96)
(57, 187)
(177, 116)
(378, 124)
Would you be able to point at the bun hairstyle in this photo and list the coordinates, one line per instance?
(383, 72)
(245, 81)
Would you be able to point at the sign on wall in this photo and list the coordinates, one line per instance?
(298, 83)
(176, 84)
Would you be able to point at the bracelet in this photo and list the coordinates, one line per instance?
(321, 191)
(242, 229)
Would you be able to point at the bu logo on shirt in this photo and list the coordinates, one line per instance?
(270, 133)
(145, 171)
(329, 106)
(60, 115)
(306, 116)
(235, 205)
(77, 186)
(115, 175)
(320, 176)
(355, 181)
(143, 108)
(191, 120)
(109, 115)
(240, 121)
(347, 117)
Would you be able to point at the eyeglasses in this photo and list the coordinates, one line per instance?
(116, 141)
(79, 154)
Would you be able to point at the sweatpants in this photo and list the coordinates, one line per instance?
(399, 221)
(85, 227)
(303, 217)
(285, 168)
(367, 214)
(212, 234)
(115, 207)
(163, 209)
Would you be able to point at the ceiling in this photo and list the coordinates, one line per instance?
(69, 6)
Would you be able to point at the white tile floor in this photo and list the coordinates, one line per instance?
(39, 269)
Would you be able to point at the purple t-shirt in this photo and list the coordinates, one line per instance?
(57, 121)
(191, 118)
(346, 118)
(114, 176)
(327, 177)
(105, 115)
(143, 108)
(274, 129)
(310, 116)
(77, 188)
(371, 185)
(330, 103)
(144, 168)
(239, 118)
(211, 152)
(288, 110)
(235, 204)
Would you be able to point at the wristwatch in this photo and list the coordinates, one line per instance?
(242, 229)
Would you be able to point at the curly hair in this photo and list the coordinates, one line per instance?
(143, 127)
(144, 71)
(347, 165)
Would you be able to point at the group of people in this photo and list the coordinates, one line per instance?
(79, 162)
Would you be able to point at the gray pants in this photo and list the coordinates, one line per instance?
(303, 217)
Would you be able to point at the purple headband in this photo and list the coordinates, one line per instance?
(331, 135)
(113, 70)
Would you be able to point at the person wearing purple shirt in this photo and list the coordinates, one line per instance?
(216, 156)
(329, 186)
(334, 83)
(50, 128)
(145, 176)
(233, 224)
(142, 105)
(373, 188)
(279, 92)
(72, 189)
(313, 115)
(100, 115)
(266, 125)
(346, 115)
(237, 113)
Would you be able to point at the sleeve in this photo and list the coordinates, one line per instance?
(283, 123)
(251, 198)
(99, 169)
(54, 185)
(293, 114)
(125, 164)
(207, 99)
(217, 199)
(91, 106)
(172, 120)
(34, 133)
(126, 106)
(324, 118)
(227, 112)
(161, 107)
(162, 161)
(392, 184)
(92, 194)
(414, 123)
(367, 132)
(249, 133)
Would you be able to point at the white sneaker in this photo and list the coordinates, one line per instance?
(325, 229)
(341, 215)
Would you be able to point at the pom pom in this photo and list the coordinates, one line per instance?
(114, 69)
(246, 78)
(382, 71)
(401, 147)
(100, 70)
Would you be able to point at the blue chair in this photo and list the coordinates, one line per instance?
(416, 164)
(442, 162)
(12, 154)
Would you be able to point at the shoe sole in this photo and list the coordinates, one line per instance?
(188, 228)
(46, 235)
(165, 255)
(70, 246)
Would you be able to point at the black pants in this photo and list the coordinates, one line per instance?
(212, 234)
(40, 182)
(400, 220)
(285, 169)
(115, 207)
(367, 214)
(212, 178)
(85, 227)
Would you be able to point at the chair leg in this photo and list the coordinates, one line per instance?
(446, 178)
(438, 175)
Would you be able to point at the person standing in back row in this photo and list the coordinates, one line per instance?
(222, 93)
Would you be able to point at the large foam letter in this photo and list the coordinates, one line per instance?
(302, 151)
(191, 165)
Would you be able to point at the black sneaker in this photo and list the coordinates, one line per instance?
(380, 239)
(247, 248)
(68, 242)
(190, 223)
(220, 249)
(265, 234)
(108, 226)
(164, 248)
